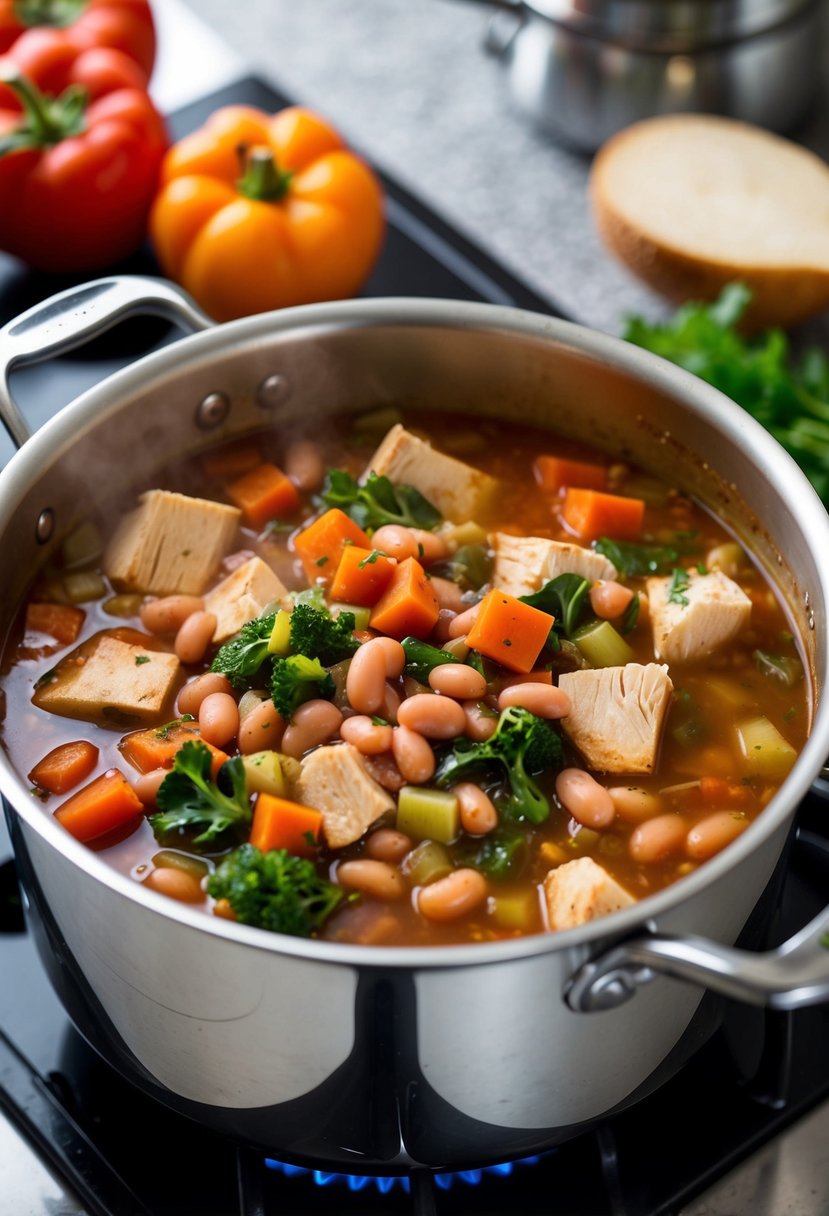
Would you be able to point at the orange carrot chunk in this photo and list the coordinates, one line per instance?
(556, 473)
(61, 621)
(361, 576)
(107, 803)
(65, 766)
(320, 544)
(279, 823)
(156, 747)
(263, 494)
(408, 607)
(509, 631)
(725, 793)
(591, 514)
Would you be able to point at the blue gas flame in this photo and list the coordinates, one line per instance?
(357, 1182)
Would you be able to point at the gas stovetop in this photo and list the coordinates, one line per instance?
(78, 1139)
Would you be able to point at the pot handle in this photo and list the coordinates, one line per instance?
(72, 317)
(791, 976)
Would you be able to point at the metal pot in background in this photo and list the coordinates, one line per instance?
(582, 70)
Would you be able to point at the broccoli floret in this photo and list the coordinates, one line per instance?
(319, 636)
(189, 800)
(296, 679)
(244, 654)
(378, 501)
(274, 890)
(521, 744)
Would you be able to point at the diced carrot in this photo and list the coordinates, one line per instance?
(725, 793)
(408, 606)
(509, 631)
(65, 766)
(591, 514)
(264, 493)
(231, 461)
(556, 473)
(156, 748)
(61, 621)
(279, 823)
(320, 544)
(361, 576)
(107, 803)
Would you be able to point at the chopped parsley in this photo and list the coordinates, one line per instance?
(678, 587)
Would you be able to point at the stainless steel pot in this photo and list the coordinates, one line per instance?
(582, 70)
(377, 1059)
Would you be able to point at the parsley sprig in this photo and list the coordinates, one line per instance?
(788, 396)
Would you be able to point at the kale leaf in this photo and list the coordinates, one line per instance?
(378, 501)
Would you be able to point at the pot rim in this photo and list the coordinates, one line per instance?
(106, 398)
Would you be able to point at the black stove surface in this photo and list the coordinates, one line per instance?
(124, 1155)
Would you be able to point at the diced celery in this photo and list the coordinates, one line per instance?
(291, 769)
(84, 585)
(83, 545)
(172, 859)
(602, 645)
(427, 814)
(361, 614)
(427, 863)
(280, 640)
(765, 752)
(468, 533)
(263, 773)
(517, 911)
(377, 422)
(123, 605)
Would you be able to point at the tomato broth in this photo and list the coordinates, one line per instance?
(667, 617)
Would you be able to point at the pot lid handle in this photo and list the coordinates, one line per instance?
(73, 317)
(793, 975)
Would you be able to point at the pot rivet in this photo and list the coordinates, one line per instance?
(272, 391)
(212, 411)
(45, 526)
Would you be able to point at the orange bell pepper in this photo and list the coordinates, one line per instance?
(260, 211)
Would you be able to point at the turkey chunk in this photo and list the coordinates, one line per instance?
(524, 563)
(111, 681)
(699, 619)
(170, 544)
(581, 890)
(334, 781)
(459, 491)
(616, 715)
(242, 597)
(519, 562)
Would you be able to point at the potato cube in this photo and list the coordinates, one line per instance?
(242, 597)
(170, 544)
(110, 681)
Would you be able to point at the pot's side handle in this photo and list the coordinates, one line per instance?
(73, 317)
(793, 975)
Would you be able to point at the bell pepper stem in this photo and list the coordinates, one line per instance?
(261, 178)
(55, 13)
(46, 120)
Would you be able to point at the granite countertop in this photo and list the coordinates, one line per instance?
(411, 86)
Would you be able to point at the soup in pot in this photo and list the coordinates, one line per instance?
(419, 681)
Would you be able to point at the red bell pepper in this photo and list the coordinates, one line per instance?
(77, 176)
(78, 25)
